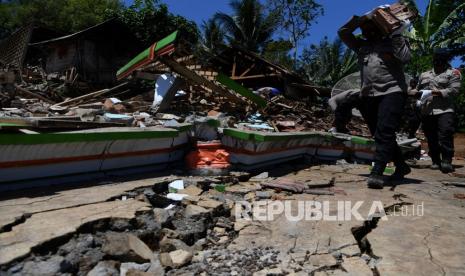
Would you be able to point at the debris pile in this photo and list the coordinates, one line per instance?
(174, 236)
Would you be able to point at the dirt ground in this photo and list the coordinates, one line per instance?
(70, 231)
(459, 143)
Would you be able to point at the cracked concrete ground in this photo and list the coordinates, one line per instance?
(432, 244)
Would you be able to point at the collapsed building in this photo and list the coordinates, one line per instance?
(172, 111)
(194, 99)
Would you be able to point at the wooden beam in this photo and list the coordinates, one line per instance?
(33, 95)
(89, 96)
(248, 70)
(233, 73)
(255, 76)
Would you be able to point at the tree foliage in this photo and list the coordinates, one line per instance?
(295, 18)
(148, 19)
(326, 63)
(213, 36)
(63, 16)
(151, 21)
(442, 25)
(277, 51)
(249, 27)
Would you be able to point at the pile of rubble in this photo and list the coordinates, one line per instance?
(187, 230)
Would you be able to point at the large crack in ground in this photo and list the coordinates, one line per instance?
(361, 232)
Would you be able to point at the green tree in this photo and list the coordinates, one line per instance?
(295, 17)
(151, 21)
(326, 63)
(64, 16)
(442, 25)
(213, 36)
(249, 27)
(277, 51)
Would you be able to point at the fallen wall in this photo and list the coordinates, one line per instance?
(251, 149)
(36, 156)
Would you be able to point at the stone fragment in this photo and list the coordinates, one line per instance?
(190, 229)
(135, 272)
(356, 266)
(249, 196)
(168, 245)
(166, 232)
(165, 260)
(198, 257)
(180, 257)
(269, 272)
(156, 267)
(209, 203)
(199, 245)
(259, 177)
(191, 190)
(127, 248)
(109, 268)
(194, 210)
(161, 215)
(263, 194)
(53, 266)
(241, 176)
(219, 231)
(223, 240)
(125, 267)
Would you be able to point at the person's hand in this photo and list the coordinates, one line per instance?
(404, 26)
(413, 92)
(426, 94)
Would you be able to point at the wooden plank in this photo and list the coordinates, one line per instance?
(255, 76)
(31, 94)
(231, 84)
(233, 73)
(90, 96)
(248, 70)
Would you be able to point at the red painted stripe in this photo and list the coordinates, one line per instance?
(26, 163)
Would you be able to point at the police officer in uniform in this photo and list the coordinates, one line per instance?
(439, 88)
(383, 91)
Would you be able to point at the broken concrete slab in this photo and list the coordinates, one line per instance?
(195, 211)
(19, 242)
(12, 210)
(180, 257)
(209, 203)
(126, 248)
(191, 191)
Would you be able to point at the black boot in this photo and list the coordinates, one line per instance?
(446, 166)
(402, 169)
(376, 180)
(436, 163)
